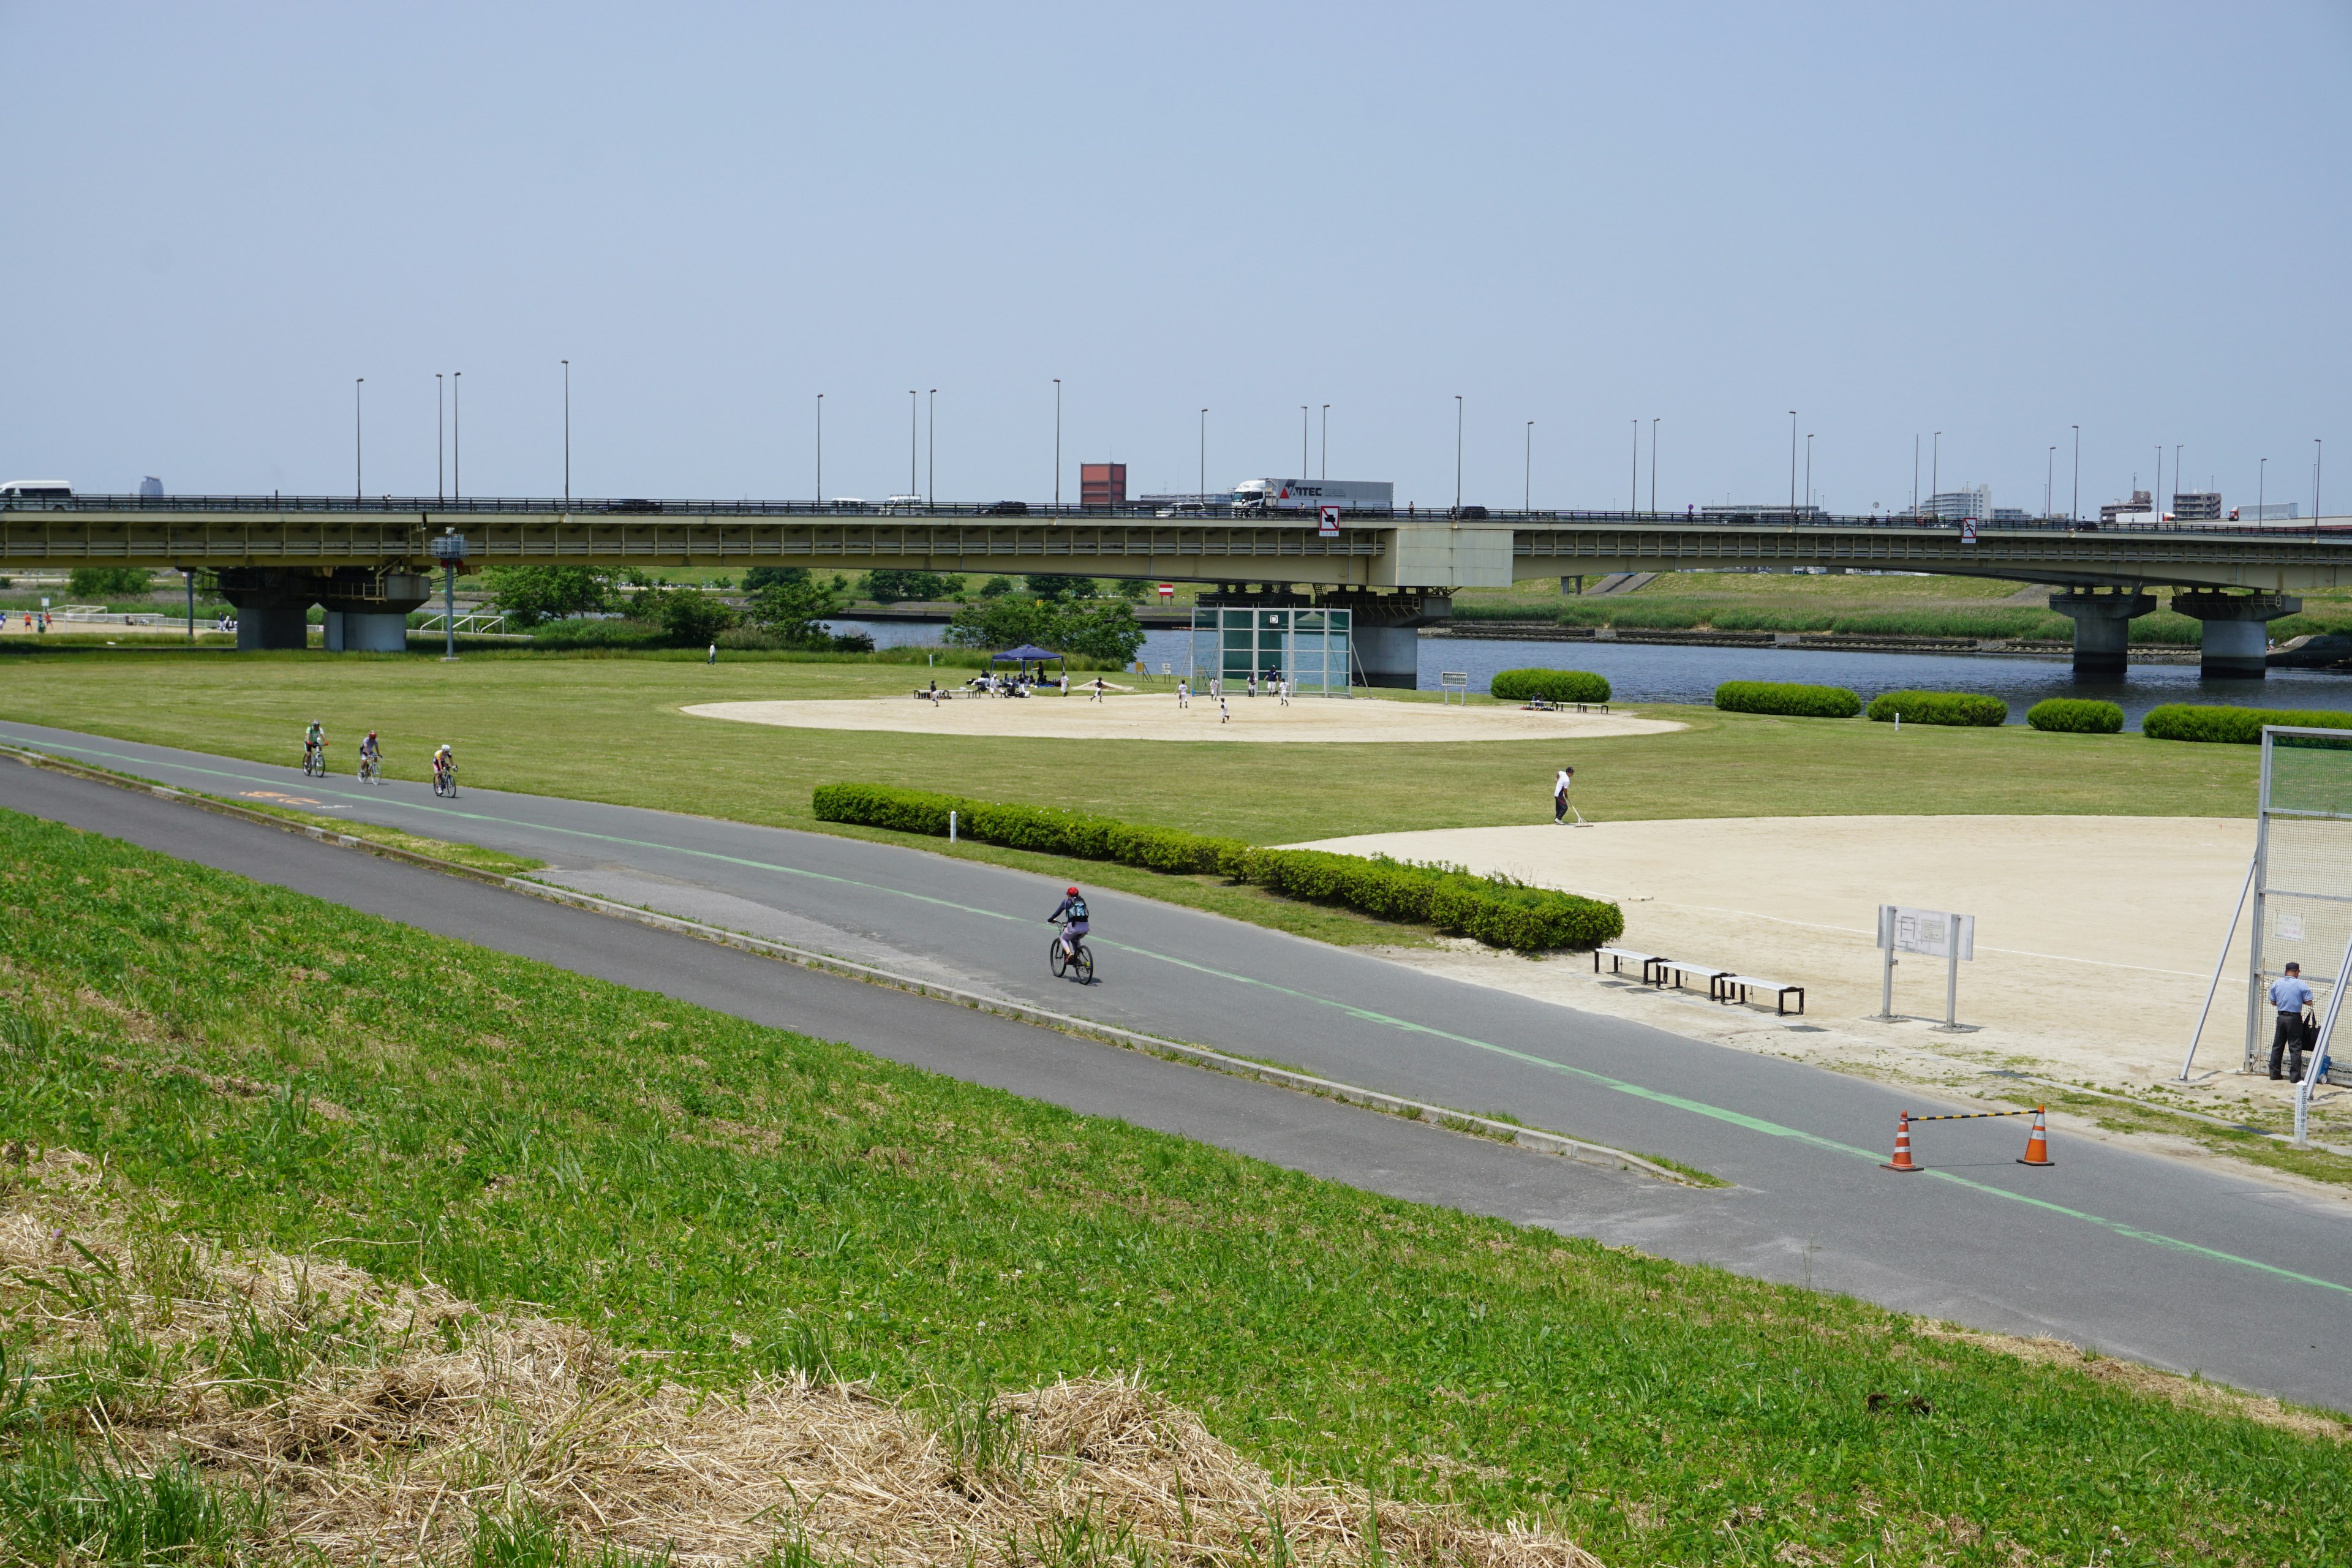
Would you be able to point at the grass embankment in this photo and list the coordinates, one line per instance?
(1854, 605)
(278, 1072)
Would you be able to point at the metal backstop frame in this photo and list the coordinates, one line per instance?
(2302, 880)
(1309, 647)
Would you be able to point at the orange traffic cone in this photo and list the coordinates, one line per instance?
(1902, 1161)
(2037, 1142)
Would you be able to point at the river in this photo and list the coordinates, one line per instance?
(1656, 672)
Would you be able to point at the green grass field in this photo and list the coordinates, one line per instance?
(611, 729)
(261, 1069)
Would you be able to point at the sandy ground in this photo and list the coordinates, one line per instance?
(2095, 938)
(1154, 716)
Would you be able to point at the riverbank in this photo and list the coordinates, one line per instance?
(1824, 642)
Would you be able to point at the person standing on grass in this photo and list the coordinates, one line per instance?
(2292, 997)
(1560, 788)
(714, 655)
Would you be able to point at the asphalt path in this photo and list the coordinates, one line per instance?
(2134, 1254)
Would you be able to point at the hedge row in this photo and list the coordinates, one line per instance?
(1965, 709)
(2231, 726)
(1782, 697)
(1549, 686)
(2076, 715)
(1495, 910)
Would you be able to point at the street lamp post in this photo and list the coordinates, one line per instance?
(359, 480)
(1457, 454)
(1526, 493)
(1915, 473)
(1936, 468)
(1808, 471)
(457, 438)
(2049, 480)
(1302, 441)
(914, 418)
(1792, 464)
(2074, 508)
(931, 457)
(1326, 440)
(1653, 465)
(567, 435)
(2176, 477)
(2318, 450)
(818, 505)
(1057, 440)
(440, 432)
(2262, 491)
(1637, 466)
(1204, 456)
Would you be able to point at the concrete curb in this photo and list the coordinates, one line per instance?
(1530, 1138)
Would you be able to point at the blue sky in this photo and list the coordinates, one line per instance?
(1995, 221)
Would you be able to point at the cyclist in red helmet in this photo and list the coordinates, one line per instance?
(1072, 916)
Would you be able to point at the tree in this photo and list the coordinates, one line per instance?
(995, 586)
(887, 585)
(1104, 631)
(1132, 588)
(529, 595)
(104, 582)
(688, 615)
(1048, 586)
(759, 577)
(794, 613)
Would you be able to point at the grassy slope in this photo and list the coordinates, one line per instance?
(752, 1198)
(610, 728)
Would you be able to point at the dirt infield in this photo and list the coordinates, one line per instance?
(1155, 716)
(2095, 936)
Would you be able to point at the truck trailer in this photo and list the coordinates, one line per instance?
(1350, 496)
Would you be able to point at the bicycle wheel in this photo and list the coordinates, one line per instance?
(1086, 964)
(1055, 958)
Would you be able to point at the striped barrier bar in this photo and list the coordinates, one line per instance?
(2037, 1139)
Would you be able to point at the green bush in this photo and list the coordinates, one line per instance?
(1784, 696)
(1549, 686)
(1496, 910)
(1964, 709)
(622, 634)
(2231, 726)
(2075, 715)
(106, 584)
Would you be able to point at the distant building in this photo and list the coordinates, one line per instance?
(1954, 505)
(2010, 514)
(1102, 484)
(2197, 506)
(2141, 501)
(150, 489)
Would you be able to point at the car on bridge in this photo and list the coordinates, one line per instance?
(37, 489)
(633, 504)
(1006, 509)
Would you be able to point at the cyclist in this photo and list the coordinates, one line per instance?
(444, 765)
(314, 743)
(372, 756)
(1072, 918)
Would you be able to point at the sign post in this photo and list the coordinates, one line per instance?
(1327, 522)
(449, 548)
(1967, 531)
(1932, 933)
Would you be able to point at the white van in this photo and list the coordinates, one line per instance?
(37, 489)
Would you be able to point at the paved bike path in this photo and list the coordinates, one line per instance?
(2134, 1254)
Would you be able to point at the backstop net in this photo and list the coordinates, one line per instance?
(1307, 647)
(2303, 876)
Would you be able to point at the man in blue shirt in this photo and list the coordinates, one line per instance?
(2292, 997)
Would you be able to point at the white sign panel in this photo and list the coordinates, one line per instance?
(1931, 934)
(1328, 527)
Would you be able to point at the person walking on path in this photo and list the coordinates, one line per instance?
(2292, 997)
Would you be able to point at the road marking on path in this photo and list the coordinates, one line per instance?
(1679, 1102)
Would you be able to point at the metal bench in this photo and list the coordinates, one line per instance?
(1619, 957)
(1677, 968)
(1721, 987)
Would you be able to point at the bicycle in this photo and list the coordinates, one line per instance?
(445, 779)
(314, 761)
(1062, 961)
(371, 769)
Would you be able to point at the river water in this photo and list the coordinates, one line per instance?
(1654, 672)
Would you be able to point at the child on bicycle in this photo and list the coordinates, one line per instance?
(1072, 915)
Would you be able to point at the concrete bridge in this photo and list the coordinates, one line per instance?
(368, 560)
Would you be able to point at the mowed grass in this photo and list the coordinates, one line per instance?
(611, 730)
(289, 1073)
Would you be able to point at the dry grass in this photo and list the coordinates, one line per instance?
(2189, 1393)
(385, 1424)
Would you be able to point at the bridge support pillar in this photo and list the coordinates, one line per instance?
(2236, 636)
(368, 612)
(367, 631)
(273, 605)
(2102, 625)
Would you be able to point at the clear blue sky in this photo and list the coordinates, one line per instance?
(1997, 221)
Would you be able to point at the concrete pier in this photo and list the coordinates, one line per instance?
(2102, 624)
(2237, 634)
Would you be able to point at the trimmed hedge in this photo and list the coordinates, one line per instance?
(1785, 697)
(2232, 726)
(1549, 686)
(1958, 707)
(2075, 715)
(1496, 910)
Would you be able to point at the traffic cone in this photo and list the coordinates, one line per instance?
(2037, 1142)
(1902, 1161)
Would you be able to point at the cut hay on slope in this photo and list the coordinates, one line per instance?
(385, 1423)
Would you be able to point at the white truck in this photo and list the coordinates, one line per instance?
(1352, 496)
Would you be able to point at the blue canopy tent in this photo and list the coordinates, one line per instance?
(1028, 653)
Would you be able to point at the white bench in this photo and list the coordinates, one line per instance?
(1619, 957)
(1721, 987)
(1708, 971)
